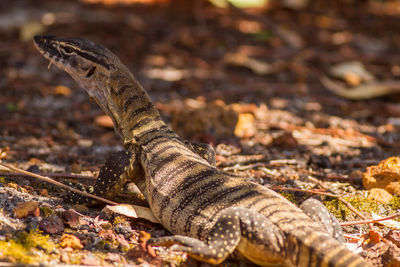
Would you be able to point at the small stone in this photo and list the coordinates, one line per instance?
(80, 208)
(52, 225)
(122, 229)
(319, 161)
(286, 141)
(380, 195)
(71, 217)
(394, 236)
(70, 241)
(44, 193)
(113, 257)
(385, 175)
(32, 223)
(90, 260)
(64, 257)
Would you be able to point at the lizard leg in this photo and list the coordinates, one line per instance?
(251, 233)
(112, 177)
(121, 166)
(319, 213)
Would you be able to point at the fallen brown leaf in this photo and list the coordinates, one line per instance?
(132, 211)
(27, 208)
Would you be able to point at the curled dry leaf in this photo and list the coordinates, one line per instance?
(132, 211)
(353, 72)
(362, 91)
(257, 66)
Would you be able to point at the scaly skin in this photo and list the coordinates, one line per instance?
(211, 212)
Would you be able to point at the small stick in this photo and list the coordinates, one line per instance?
(397, 214)
(303, 190)
(53, 175)
(49, 180)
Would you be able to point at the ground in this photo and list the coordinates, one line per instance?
(246, 81)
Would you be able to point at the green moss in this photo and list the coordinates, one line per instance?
(362, 204)
(2, 179)
(289, 197)
(120, 220)
(110, 244)
(28, 248)
(36, 239)
(15, 252)
(395, 203)
(46, 211)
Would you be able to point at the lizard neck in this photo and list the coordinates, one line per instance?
(130, 107)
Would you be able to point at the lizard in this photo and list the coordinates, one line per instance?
(211, 213)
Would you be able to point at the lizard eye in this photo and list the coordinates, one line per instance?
(68, 50)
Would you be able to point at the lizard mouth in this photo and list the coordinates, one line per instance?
(49, 49)
(46, 46)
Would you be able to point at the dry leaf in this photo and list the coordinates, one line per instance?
(133, 211)
(363, 91)
(27, 208)
(388, 223)
(259, 67)
(353, 72)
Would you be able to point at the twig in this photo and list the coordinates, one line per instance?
(238, 167)
(302, 190)
(397, 214)
(53, 175)
(49, 180)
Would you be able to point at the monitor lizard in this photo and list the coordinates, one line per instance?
(210, 212)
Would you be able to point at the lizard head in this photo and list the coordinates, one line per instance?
(104, 78)
(89, 64)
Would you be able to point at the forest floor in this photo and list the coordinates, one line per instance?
(249, 82)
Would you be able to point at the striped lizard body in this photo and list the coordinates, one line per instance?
(211, 212)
